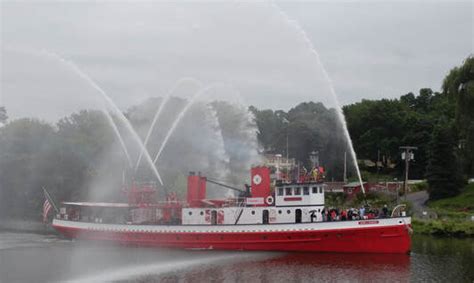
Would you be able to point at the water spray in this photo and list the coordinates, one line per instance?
(114, 108)
(339, 112)
(181, 115)
(160, 109)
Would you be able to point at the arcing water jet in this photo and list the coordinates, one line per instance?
(116, 111)
(181, 115)
(160, 109)
(339, 112)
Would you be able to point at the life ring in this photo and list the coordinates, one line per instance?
(257, 179)
(269, 200)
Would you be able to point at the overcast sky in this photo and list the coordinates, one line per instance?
(136, 50)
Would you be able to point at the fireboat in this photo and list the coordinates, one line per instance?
(271, 214)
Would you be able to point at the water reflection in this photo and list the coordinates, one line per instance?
(301, 267)
(38, 258)
(442, 259)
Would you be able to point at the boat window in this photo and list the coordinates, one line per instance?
(315, 190)
(265, 217)
(297, 191)
(288, 211)
(253, 212)
(280, 191)
(190, 213)
(288, 191)
(305, 191)
(202, 213)
(279, 211)
(320, 190)
(213, 217)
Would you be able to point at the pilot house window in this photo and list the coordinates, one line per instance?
(280, 191)
(315, 190)
(297, 191)
(288, 191)
(305, 191)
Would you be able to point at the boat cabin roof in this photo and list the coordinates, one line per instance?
(98, 204)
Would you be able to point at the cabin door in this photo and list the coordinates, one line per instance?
(213, 217)
(265, 217)
(298, 216)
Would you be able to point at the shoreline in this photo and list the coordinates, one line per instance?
(26, 226)
(443, 228)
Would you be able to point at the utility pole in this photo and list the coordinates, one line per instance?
(407, 155)
(345, 167)
(377, 164)
(287, 123)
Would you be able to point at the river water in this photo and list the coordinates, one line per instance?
(39, 258)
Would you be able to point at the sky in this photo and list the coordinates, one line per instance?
(137, 50)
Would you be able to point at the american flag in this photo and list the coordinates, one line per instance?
(46, 208)
(47, 205)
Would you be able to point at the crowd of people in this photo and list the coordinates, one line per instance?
(335, 214)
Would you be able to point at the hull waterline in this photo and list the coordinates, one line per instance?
(363, 236)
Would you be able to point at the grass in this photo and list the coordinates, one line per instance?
(444, 228)
(454, 216)
(461, 202)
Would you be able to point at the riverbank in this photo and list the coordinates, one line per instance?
(448, 217)
(448, 228)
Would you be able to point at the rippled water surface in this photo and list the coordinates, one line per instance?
(39, 258)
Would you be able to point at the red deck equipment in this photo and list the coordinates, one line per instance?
(261, 183)
(196, 190)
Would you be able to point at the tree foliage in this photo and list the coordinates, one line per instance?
(379, 127)
(443, 172)
(34, 154)
(459, 86)
(305, 128)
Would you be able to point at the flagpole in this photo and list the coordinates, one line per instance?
(46, 194)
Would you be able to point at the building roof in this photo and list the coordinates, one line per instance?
(354, 184)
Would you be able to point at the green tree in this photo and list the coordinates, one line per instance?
(459, 85)
(25, 166)
(443, 172)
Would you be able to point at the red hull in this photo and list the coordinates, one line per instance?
(376, 239)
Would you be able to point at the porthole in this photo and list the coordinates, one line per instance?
(253, 212)
(288, 211)
(190, 213)
(202, 213)
(279, 211)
